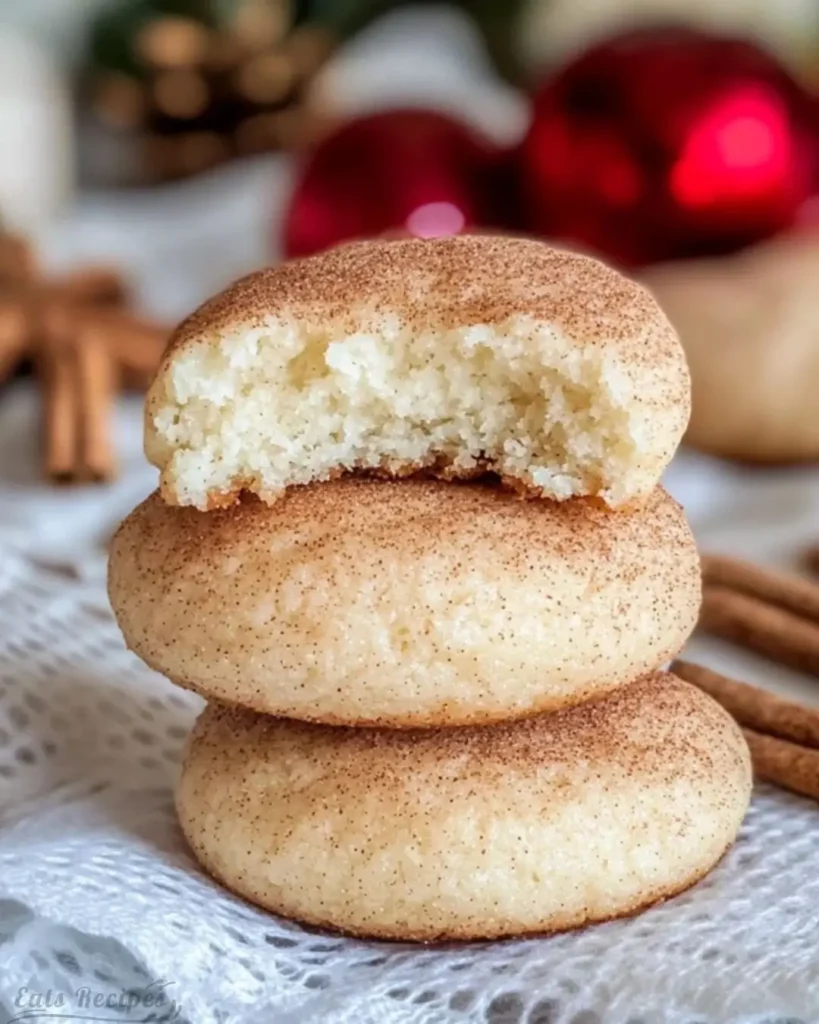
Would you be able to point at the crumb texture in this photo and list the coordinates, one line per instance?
(454, 355)
(412, 602)
(536, 826)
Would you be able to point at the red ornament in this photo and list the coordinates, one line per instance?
(413, 172)
(663, 145)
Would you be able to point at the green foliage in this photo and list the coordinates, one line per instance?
(114, 32)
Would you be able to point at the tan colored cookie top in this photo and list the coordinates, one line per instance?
(446, 282)
(404, 603)
(359, 523)
(641, 732)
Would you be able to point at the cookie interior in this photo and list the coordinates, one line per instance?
(289, 403)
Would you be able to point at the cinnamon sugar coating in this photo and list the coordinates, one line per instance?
(402, 603)
(534, 826)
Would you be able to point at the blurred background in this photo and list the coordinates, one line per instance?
(154, 150)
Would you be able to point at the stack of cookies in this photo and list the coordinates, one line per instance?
(410, 545)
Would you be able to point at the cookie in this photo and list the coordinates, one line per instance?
(477, 833)
(402, 603)
(454, 355)
(750, 328)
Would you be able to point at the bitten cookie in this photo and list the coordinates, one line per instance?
(536, 826)
(750, 327)
(412, 602)
(455, 355)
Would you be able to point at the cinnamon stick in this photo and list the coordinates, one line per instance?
(785, 764)
(97, 286)
(811, 559)
(774, 632)
(137, 345)
(59, 395)
(96, 383)
(18, 262)
(754, 707)
(782, 589)
(13, 338)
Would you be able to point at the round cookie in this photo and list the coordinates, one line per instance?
(750, 327)
(455, 355)
(536, 826)
(402, 603)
